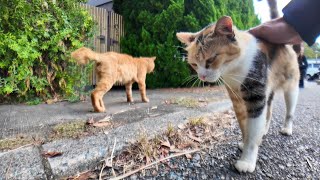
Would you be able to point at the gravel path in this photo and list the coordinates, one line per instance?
(280, 157)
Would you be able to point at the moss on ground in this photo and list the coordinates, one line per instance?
(185, 101)
(15, 142)
(68, 130)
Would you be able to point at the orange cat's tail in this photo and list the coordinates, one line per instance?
(84, 55)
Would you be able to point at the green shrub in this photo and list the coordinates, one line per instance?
(36, 38)
(151, 25)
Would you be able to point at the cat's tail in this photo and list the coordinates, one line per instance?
(84, 55)
(274, 13)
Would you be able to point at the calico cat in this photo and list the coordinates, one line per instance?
(252, 71)
(114, 68)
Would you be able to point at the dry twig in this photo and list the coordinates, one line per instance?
(151, 164)
(105, 164)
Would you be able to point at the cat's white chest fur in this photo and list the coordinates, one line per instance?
(236, 72)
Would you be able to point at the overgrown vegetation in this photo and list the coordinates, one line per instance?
(150, 28)
(312, 52)
(37, 37)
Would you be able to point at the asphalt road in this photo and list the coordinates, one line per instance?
(280, 157)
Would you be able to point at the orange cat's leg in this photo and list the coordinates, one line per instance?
(129, 92)
(142, 88)
(97, 95)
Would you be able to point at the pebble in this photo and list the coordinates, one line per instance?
(197, 165)
(133, 177)
(264, 157)
(196, 158)
(173, 175)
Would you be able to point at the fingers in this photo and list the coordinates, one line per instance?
(276, 31)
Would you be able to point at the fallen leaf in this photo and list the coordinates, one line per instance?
(154, 172)
(90, 121)
(174, 150)
(185, 145)
(148, 160)
(84, 176)
(105, 119)
(181, 126)
(51, 101)
(101, 124)
(166, 144)
(188, 156)
(195, 138)
(108, 163)
(154, 115)
(202, 100)
(51, 154)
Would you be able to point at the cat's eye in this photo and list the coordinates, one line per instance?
(194, 64)
(209, 61)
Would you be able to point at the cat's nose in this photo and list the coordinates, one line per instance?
(202, 77)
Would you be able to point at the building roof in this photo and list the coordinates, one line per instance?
(98, 2)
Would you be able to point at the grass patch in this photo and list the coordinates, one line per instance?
(187, 102)
(15, 142)
(197, 121)
(69, 130)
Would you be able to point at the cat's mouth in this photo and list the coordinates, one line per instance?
(208, 78)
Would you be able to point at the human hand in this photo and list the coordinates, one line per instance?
(276, 31)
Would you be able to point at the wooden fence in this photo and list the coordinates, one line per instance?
(108, 33)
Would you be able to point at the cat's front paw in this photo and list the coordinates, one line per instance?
(286, 131)
(245, 166)
(146, 100)
(99, 109)
(130, 100)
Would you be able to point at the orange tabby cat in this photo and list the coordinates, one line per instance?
(114, 68)
(253, 71)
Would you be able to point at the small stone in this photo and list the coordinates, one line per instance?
(133, 177)
(204, 176)
(173, 175)
(197, 165)
(196, 158)
(264, 157)
(281, 166)
(269, 175)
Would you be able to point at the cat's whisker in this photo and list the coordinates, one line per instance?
(195, 82)
(199, 83)
(224, 89)
(222, 84)
(189, 79)
(237, 96)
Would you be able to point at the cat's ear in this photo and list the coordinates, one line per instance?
(224, 26)
(153, 58)
(185, 37)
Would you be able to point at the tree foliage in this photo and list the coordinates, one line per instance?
(313, 51)
(151, 25)
(36, 39)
